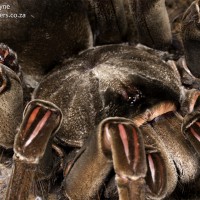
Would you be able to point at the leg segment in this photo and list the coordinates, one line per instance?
(41, 121)
(152, 23)
(104, 13)
(191, 37)
(126, 144)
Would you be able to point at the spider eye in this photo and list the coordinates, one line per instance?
(132, 100)
(132, 95)
(3, 80)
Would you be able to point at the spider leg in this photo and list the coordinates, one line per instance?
(41, 120)
(126, 144)
(152, 23)
(191, 37)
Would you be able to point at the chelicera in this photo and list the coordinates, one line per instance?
(115, 110)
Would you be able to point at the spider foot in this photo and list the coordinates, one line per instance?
(125, 142)
(41, 121)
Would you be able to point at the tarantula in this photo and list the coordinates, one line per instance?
(118, 110)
